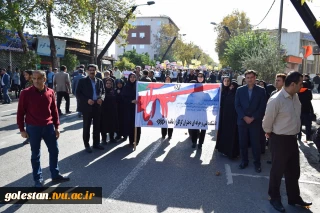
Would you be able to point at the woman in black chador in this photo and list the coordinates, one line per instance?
(129, 98)
(227, 140)
(120, 109)
(198, 133)
(164, 131)
(109, 121)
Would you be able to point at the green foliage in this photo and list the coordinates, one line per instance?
(124, 64)
(244, 44)
(138, 59)
(29, 60)
(237, 22)
(70, 61)
(257, 51)
(180, 51)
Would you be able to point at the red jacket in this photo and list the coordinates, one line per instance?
(37, 108)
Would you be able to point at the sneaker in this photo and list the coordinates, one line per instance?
(38, 183)
(88, 149)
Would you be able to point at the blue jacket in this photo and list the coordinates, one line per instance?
(255, 107)
(75, 83)
(6, 80)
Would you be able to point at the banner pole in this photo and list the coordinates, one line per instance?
(135, 139)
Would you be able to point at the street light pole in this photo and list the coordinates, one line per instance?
(116, 33)
(280, 23)
(170, 45)
(224, 27)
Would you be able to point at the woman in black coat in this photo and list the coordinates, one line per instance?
(109, 120)
(164, 131)
(198, 133)
(129, 98)
(227, 140)
(120, 109)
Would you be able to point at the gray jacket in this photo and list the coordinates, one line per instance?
(61, 82)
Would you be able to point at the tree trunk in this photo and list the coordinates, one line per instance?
(54, 59)
(97, 38)
(24, 43)
(93, 29)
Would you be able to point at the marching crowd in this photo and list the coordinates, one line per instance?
(253, 114)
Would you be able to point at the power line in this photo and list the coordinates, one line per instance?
(265, 15)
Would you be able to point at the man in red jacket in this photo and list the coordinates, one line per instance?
(37, 108)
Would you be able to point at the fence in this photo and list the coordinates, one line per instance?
(10, 58)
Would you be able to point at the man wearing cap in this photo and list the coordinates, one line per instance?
(74, 87)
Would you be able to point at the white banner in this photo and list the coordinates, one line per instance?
(44, 46)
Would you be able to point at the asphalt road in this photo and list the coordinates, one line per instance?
(160, 176)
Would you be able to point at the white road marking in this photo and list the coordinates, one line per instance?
(228, 174)
(133, 174)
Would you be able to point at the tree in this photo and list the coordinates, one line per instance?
(104, 16)
(124, 64)
(28, 60)
(265, 58)
(243, 44)
(163, 39)
(70, 61)
(16, 15)
(138, 59)
(236, 22)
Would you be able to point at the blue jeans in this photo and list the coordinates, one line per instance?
(6, 96)
(47, 133)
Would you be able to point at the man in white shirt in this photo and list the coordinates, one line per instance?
(117, 73)
(282, 124)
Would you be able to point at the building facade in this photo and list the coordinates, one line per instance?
(143, 36)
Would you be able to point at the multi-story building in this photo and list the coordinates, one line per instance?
(293, 43)
(142, 37)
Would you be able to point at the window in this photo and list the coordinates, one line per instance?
(134, 23)
(159, 23)
(134, 47)
(142, 35)
(133, 35)
(141, 23)
(158, 45)
(141, 46)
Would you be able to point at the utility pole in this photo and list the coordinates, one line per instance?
(280, 23)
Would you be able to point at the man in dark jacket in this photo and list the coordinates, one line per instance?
(145, 77)
(151, 76)
(305, 97)
(90, 91)
(316, 81)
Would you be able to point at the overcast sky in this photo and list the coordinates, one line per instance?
(194, 17)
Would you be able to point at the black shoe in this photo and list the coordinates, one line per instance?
(169, 138)
(88, 149)
(199, 146)
(257, 169)
(269, 162)
(299, 203)
(118, 137)
(60, 179)
(243, 165)
(163, 137)
(194, 145)
(98, 147)
(69, 112)
(38, 183)
(124, 139)
(113, 141)
(277, 205)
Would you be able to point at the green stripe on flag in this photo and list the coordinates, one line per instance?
(142, 87)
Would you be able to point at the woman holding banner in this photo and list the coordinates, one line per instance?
(195, 132)
(164, 131)
(129, 98)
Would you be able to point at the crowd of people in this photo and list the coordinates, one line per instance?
(255, 114)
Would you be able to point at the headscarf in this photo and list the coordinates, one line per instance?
(129, 89)
(109, 91)
(166, 78)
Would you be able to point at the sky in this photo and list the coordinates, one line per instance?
(194, 17)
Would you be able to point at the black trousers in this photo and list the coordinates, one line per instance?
(307, 122)
(164, 132)
(91, 116)
(131, 135)
(251, 132)
(285, 161)
(194, 135)
(66, 97)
